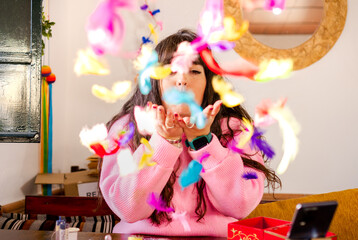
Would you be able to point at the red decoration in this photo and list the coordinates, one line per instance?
(45, 71)
(209, 60)
(101, 151)
(51, 78)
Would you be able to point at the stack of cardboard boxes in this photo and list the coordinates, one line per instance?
(79, 183)
(93, 162)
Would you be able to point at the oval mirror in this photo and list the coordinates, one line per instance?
(287, 28)
(303, 55)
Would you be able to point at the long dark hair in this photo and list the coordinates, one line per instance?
(165, 50)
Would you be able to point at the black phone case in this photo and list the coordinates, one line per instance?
(312, 220)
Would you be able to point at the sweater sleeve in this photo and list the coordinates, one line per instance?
(227, 190)
(127, 195)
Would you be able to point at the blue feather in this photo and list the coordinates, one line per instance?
(191, 174)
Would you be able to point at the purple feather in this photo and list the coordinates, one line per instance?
(156, 202)
(127, 136)
(144, 7)
(249, 175)
(260, 143)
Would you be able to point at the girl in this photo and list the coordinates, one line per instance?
(221, 196)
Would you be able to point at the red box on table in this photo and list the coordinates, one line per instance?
(262, 228)
(253, 228)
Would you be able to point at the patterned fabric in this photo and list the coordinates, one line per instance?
(17, 221)
(103, 224)
(22, 221)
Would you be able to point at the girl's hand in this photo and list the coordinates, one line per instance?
(167, 124)
(191, 131)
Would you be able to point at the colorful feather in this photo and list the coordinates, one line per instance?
(160, 24)
(105, 27)
(144, 7)
(250, 5)
(260, 143)
(145, 62)
(191, 174)
(262, 112)
(156, 11)
(289, 129)
(203, 157)
(230, 32)
(267, 113)
(96, 139)
(97, 134)
(160, 72)
(229, 98)
(211, 18)
(183, 58)
(181, 217)
(232, 145)
(273, 69)
(174, 96)
(209, 60)
(215, 30)
(145, 161)
(156, 202)
(145, 119)
(88, 63)
(127, 136)
(197, 115)
(101, 150)
(153, 33)
(249, 175)
(126, 163)
(247, 132)
(222, 46)
(119, 90)
(276, 6)
(146, 40)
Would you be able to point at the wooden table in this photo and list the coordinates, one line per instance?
(46, 235)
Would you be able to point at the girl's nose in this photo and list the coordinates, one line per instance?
(181, 81)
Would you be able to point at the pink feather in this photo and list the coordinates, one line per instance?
(232, 146)
(182, 219)
(202, 158)
(105, 27)
(156, 202)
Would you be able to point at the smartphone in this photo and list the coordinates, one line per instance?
(312, 220)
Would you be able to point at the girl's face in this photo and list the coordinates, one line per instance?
(194, 81)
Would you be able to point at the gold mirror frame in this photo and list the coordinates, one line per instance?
(326, 35)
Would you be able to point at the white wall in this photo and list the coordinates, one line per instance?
(321, 97)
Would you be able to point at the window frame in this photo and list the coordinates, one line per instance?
(33, 59)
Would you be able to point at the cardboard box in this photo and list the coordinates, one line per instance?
(263, 228)
(81, 183)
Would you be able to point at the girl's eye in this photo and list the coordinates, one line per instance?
(196, 71)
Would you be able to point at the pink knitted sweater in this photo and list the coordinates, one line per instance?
(228, 196)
